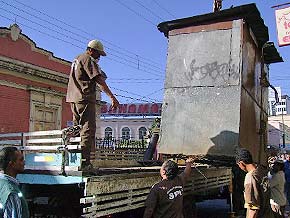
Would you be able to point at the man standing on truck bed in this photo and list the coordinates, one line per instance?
(81, 93)
(12, 201)
(166, 197)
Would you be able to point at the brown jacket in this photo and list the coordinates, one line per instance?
(82, 80)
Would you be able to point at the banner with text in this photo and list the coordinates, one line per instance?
(147, 109)
(283, 25)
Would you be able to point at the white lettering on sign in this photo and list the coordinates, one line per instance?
(283, 26)
(175, 192)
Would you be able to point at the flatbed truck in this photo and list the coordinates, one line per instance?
(55, 186)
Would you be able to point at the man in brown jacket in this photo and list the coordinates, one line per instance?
(256, 185)
(81, 94)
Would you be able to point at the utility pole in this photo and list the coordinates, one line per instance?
(283, 127)
(217, 5)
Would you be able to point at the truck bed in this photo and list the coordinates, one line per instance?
(118, 182)
(128, 189)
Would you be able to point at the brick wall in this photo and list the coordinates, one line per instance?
(66, 113)
(14, 110)
(15, 102)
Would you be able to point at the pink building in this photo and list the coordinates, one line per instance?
(32, 85)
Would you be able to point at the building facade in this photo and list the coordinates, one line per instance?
(32, 85)
(279, 131)
(129, 121)
(278, 108)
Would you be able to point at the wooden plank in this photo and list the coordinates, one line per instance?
(52, 168)
(7, 135)
(118, 183)
(50, 148)
(44, 148)
(87, 200)
(114, 204)
(112, 211)
(115, 196)
(44, 133)
(10, 142)
(43, 141)
(113, 163)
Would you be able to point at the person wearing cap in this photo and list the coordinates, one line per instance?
(81, 94)
(256, 186)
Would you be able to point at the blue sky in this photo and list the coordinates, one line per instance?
(136, 49)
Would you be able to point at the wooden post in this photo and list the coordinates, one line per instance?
(217, 5)
(231, 213)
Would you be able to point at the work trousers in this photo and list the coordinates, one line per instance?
(84, 114)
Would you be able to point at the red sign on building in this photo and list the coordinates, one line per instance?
(133, 109)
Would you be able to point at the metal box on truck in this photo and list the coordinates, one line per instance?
(215, 99)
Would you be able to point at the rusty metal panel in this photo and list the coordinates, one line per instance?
(201, 109)
(253, 100)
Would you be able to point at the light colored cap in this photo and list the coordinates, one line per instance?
(97, 45)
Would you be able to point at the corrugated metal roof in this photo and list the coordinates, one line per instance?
(249, 13)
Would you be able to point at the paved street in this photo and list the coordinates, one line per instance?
(217, 208)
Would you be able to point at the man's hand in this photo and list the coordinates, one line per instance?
(187, 170)
(189, 160)
(115, 102)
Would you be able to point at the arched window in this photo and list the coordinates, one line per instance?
(142, 132)
(126, 133)
(108, 133)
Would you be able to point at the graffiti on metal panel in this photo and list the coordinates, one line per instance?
(214, 71)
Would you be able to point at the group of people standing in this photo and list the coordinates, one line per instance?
(264, 188)
(266, 191)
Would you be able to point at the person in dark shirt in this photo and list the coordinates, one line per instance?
(287, 176)
(166, 197)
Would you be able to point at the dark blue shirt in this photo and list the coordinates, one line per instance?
(287, 170)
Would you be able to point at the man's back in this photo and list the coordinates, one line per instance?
(167, 198)
(257, 192)
(82, 81)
